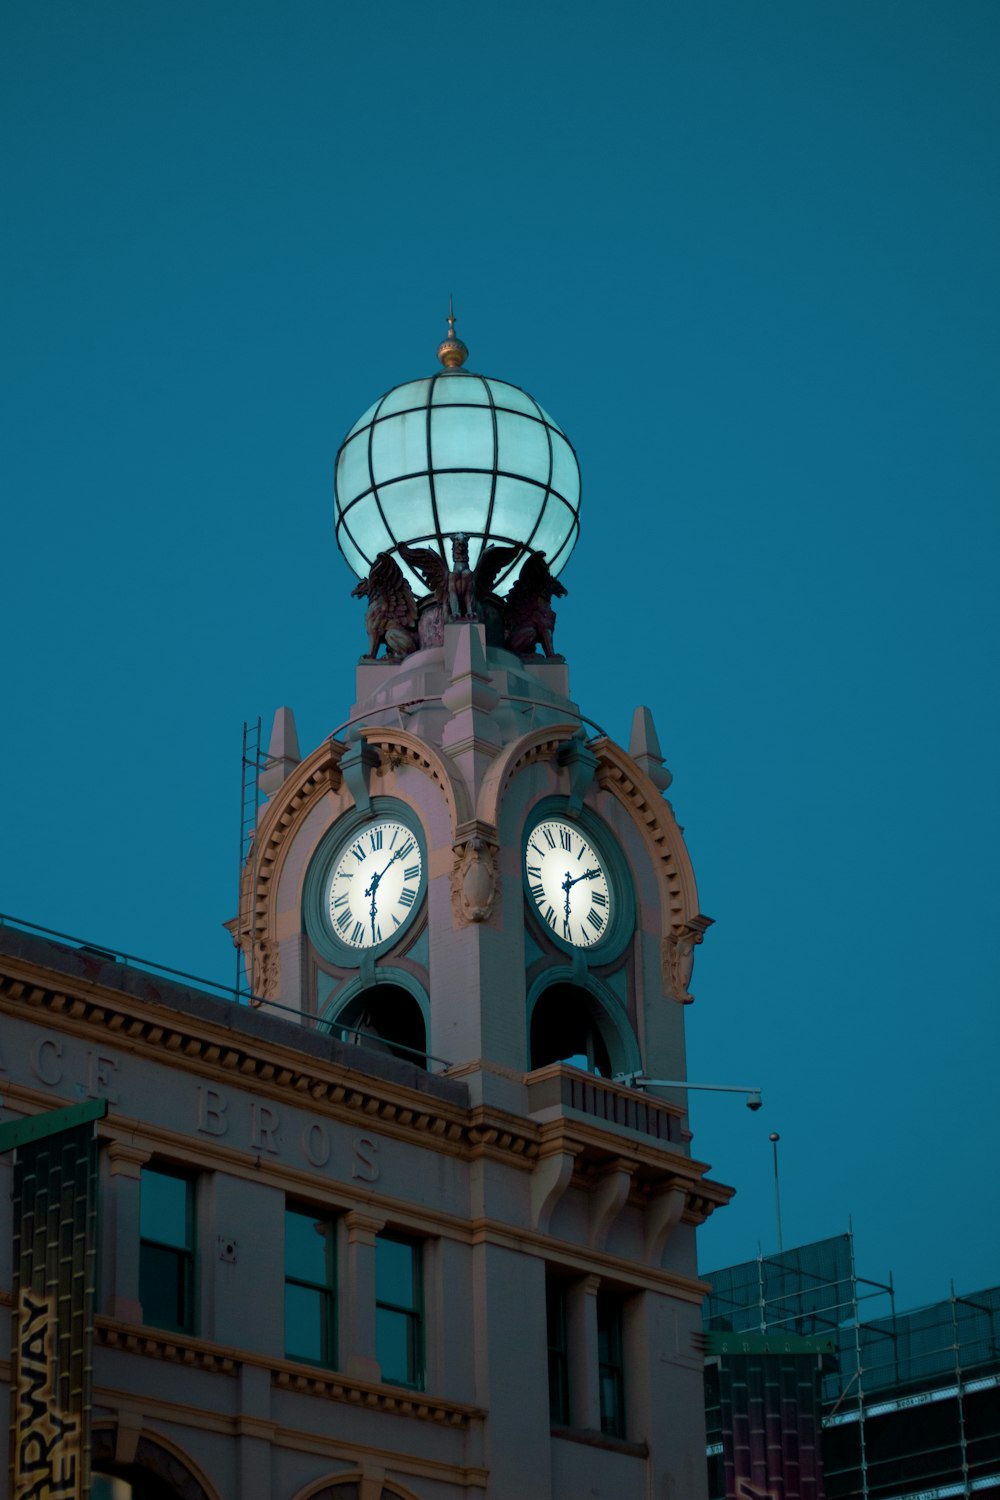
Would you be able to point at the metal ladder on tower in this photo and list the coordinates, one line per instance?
(252, 762)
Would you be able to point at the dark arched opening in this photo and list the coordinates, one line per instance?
(127, 1482)
(564, 1029)
(385, 1019)
(154, 1473)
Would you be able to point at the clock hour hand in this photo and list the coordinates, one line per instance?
(587, 875)
(373, 909)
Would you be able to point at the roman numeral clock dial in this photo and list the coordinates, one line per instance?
(568, 882)
(376, 884)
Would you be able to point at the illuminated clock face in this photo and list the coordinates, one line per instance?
(376, 885)
(568, 881)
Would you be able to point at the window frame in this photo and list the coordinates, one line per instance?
(558, 1351)
(327, 1291)
(414, 1314)
(184, 1256)
(611, 1369)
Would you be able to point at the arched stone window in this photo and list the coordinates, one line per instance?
(350, 1490)
(384, 1018)
(130, 1483)
(154, 1474)
(570, 1025)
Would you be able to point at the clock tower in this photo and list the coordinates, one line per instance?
(469, 884)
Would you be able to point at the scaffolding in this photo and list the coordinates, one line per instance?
(910, 1402)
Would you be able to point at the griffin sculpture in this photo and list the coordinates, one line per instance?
(529, 616)
(392, 611)
(460, 590)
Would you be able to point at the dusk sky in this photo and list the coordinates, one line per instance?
(746, 255)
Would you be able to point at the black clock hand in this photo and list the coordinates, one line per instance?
(375, 885)
(381, 873)
(371, 891)
(587, 875)
(398, 855)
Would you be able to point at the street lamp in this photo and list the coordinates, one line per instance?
(638, 1080)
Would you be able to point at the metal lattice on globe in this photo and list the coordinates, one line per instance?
(456, 453)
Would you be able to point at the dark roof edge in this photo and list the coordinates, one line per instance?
(91, 966)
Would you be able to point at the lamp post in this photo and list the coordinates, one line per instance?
(774, 1138)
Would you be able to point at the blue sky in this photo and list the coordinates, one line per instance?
(745, 253)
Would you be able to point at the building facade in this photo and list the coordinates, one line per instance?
(388, 1226)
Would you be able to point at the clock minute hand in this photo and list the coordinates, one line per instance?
(375, 885)
(398, 855)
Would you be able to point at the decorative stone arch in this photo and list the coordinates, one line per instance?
(683, 926)
(151, 1454)
(384, 975)
(536, 745)
(617, 773)
(396, 748)
(383, 752)
(624, 1051)
(352, 1486)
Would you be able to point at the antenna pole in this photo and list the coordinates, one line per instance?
(774, 1139)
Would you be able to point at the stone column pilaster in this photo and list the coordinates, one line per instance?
(584, 1382)
(120, 1233)
(357, 1298)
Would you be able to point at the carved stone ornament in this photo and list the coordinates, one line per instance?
(529, 616)
(678, 957)
(474, 885)
(392, 612)
(265, 975)
(460, 591)
(430, 623)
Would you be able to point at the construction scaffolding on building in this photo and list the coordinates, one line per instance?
(909, 1402)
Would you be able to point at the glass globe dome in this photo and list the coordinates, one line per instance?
(456, 452)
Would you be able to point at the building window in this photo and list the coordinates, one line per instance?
(310, 1329)
(611, 1364)
(555, 1311)
(399, 1311)
(166, 1249)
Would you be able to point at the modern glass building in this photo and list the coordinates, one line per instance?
(898, 1405)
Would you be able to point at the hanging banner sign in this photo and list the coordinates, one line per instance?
(48, 1443)
(55, 1236)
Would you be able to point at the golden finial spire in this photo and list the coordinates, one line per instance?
(451, 351)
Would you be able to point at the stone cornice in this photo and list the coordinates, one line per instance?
(176, 1348)
(201, 1354)
(205, 1047)
(583, 1260)
(653, 1168)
